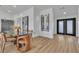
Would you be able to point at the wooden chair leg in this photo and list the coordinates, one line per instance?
(3, 47)
(3, 42)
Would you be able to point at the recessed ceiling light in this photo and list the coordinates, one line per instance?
(9, 10)
(14, 6)
(65, 13)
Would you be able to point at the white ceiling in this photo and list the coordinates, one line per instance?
(58, 9)
(18, 9)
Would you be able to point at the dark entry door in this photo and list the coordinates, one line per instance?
(66, 26)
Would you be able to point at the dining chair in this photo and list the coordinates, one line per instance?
(4, 42)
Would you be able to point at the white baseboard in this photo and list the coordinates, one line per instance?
(35, 35)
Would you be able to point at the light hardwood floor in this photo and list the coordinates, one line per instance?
(64, 44)
(60, 44)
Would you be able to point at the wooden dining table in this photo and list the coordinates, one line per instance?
(18, 39)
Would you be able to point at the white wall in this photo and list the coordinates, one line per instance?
(71, 12)
(30, 13)
(35, 21)
(36, 26)
(57, 13)
(51, 23)
(78, 22)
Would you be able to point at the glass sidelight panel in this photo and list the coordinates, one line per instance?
(70, 27)
(61, 27)
(25, 24)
